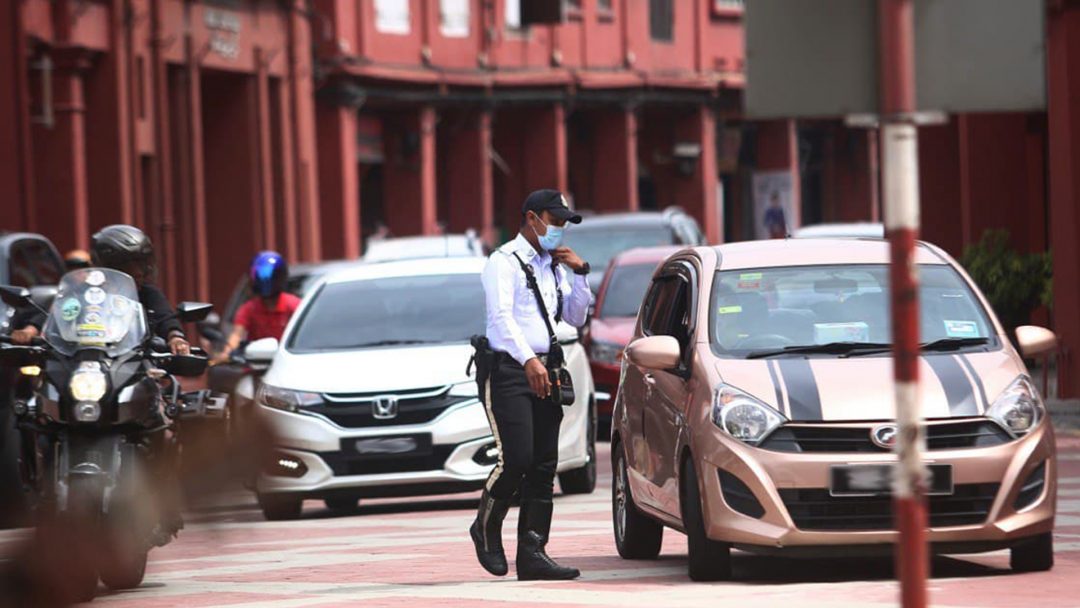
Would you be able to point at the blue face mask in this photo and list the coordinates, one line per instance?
(552, 238)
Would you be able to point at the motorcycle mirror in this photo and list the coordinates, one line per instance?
(186, 365)
(193, 312)
(42, 296)
(16, 297)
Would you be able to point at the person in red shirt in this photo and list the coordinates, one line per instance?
(266, 314)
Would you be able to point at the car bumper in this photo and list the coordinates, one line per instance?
(792, 490)
(326, 464)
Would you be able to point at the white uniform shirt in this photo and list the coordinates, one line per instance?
(514, 324)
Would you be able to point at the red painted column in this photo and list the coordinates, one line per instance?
(60, 158)
(615, 170)
(339, 181)
(470, 199)
(409, 172)
(697, 192)
(267, 207)
(15, 167)
(1063, 77)
(303, 130)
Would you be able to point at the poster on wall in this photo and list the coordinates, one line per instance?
(774, 205)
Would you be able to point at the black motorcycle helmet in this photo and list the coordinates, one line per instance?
(124, 248)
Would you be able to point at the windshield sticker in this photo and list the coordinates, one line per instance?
(90, 331)
(95, 278)
(728, 310)
(750, 276)
(92, 318)
(120, 306)
(826, 333)
(69, 310)
(961, 329)
(94, 295)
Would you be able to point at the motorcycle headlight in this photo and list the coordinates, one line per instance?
(88, 384)
(1019, 407)
(605, 353)
(742, 416)
(285, 399)
(465, 389)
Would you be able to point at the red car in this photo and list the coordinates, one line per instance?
(617, 301)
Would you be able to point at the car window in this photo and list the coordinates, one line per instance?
(807, 305)
(658, 307)
(33, 262)
(391, 311)
(625, 290)
(598, 245)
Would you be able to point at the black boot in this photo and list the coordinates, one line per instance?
(533, 564)
(486, 534)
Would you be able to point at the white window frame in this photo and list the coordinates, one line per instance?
(393, 17)
(454, 18)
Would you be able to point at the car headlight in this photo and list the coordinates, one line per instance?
(465, 389)
(285, 399)
(605, 353)
(88, 384)
(742, 416)
(1019, 407)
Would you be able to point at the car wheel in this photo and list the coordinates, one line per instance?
(583, 480)
(343, 504)
(710, 560)
(279, 508)
(1033, 555)
(636, 535)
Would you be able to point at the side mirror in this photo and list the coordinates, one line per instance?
(1035, 340)
(655, 352)
(42, 296)
(261, 351)
(16, 297)
(193, 312)
(186, 365)
(566, 333)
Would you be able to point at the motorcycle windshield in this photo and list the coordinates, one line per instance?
(96, 308)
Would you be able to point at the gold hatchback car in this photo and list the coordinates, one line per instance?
(755, 410)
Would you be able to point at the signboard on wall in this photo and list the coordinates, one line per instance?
(807, 59)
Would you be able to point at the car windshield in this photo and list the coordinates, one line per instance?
(598, 245)
(391, 311)
(626, 289)
(755, 312)
(96, 308)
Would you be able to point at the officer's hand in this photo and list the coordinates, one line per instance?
(179, 346)
(567, 257)
(538, 378)
(24, 335)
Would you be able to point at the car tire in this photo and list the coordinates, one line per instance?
(636, 535)
(280, 508)
(1033, 555)
(342, 504)
(583, 480)
(710, 560)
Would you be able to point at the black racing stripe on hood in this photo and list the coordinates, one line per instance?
(958, 389)
(804, 400)
(978, 380)
(776, 385)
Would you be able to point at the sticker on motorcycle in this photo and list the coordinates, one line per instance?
(119, 306)
(95, 278)
(70, 309)
(90, 333)
(94, 295)
(92, 318)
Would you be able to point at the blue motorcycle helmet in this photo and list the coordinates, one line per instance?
(269, 274)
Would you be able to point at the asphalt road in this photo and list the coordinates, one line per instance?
(417, 552)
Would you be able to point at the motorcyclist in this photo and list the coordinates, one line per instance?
(267, 313)
(129, 250)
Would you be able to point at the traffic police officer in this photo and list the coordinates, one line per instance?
(515, 377)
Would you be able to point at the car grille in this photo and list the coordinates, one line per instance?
(344, 463)
(355, 410)
(816, 509)
(822, 438)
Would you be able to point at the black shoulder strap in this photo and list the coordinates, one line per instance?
(530, 279)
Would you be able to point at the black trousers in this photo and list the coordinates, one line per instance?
(526, 430)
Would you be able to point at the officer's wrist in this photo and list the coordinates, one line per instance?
(583, 270)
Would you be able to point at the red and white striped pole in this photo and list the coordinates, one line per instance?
(900, 163)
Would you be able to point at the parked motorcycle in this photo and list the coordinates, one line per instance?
(101, 406)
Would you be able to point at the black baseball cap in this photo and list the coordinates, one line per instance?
(551, 201)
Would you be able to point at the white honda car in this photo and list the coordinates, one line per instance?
(368, 394)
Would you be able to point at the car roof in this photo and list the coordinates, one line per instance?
(416, 247)
(841, 229)
(812, 252)
(407, 268)
(646, 255)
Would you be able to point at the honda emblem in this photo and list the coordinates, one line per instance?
(385, 407)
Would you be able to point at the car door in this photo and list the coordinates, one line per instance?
(665, 409)
(635, 392)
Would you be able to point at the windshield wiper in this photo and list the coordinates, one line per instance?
(830, 348)
(390, 343)
(953, 343)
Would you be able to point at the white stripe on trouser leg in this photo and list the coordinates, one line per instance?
(494, 431)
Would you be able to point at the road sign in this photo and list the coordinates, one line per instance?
(820, 58)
